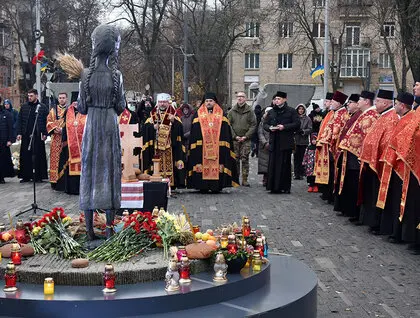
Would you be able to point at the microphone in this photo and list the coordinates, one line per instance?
(37, 108)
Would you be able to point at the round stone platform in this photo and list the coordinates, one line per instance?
(284, 288)
(148, 267)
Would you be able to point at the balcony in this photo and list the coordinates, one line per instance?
(354, 63)
(353, 8)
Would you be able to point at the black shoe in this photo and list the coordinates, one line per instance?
(415, 252)
(413, 246)
(339, 214)
(358, 223)
(354, 219)
(323, 197)
(253, 154)
(2, 181)
(24, 180)
(394, 240)
(375, 230)
(286, 191)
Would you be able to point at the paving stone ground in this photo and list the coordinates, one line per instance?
(360, 275)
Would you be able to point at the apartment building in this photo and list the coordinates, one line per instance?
(9, 61)
(288, 44)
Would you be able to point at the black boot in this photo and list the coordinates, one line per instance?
(89, 225)
(110, 214)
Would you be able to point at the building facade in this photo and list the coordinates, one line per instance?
(284, 48)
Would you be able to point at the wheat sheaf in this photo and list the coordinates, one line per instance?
(72, 66)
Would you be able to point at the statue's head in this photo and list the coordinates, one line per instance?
(105, 40)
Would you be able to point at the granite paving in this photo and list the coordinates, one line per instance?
(360, 275)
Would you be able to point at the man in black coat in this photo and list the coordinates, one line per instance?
(25, 123)
(282, 121)
(6, 138)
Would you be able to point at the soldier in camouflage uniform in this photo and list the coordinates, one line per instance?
(243, 123)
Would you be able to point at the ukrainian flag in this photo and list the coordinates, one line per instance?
(319, 70)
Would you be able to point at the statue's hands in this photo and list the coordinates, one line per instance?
(156, 126)
(171, 118)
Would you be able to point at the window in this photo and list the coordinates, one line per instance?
(354, 62)
(286, 29)
(252, 29)
(249, 95)
(319, 3)
(285, 61)
(253, 4)
(317, 60)
(4, 37)
(353, 35)
(318, 30)
(252, 60)
(388, 30)
(384, 60)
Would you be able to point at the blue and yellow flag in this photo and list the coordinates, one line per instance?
(319, 70)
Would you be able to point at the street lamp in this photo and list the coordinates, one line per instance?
(37, 35)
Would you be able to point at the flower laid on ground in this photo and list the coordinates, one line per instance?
(50, 235)
(139, 233)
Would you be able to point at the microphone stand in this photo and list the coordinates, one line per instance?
(34, 206)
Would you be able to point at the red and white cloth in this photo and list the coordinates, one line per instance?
(132, 194)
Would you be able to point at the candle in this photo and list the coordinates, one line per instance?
(223, 242)
(48, 286)
(181, 252)
(184, 270)
(0, 257)
(196, 229)
(10, 278)
(16, 255)
(109, 279)
(256, 261)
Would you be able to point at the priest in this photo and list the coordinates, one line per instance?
(70, 157)
(371, 167)
(162, 138)
(327, 144)
(211, 161)
(282, 122)
(55, 123)
(350, 144)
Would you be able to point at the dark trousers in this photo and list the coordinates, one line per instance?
(297, 161)
(310, 180)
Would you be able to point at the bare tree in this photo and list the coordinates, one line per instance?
(409, 20)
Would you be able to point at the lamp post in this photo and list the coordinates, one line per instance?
(37, 35)
(326, 62)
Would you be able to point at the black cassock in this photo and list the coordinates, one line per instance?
(229, 176)
(6, 134)
(25, 123)
(281, 146)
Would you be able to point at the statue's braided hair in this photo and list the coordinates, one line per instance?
(115, 78)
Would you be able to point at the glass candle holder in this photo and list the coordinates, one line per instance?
(181, 252)
(232, 247)
(48, 286)
(256, 261)
(196, 228)
(16, 254)
(224, 242)
(259, 246)
(184, 271)
(109, 279)
(10, 278)
(246, 226)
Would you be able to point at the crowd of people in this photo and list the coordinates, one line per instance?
(359, 151)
